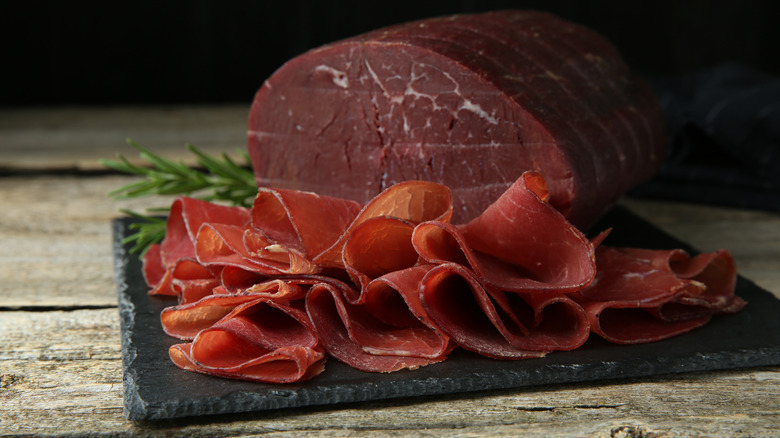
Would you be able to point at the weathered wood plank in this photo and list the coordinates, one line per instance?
(77, 137)
(55, 240)
(61, 375)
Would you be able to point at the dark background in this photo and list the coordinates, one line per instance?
(169, 52)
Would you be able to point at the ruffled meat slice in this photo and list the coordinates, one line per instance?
(642, 295)
(174, 260)
(194, 290)
(303, 223)
(410, 201)
(353, 335)
(184, 221)
(500, 324)
(519, 243)
(186, 279)
(260, 340)
(152, 267)
(283, 365)
(222, 245)
(234, 279)
(185, 321)
(379, 246)
(548, 321)
(394, 299)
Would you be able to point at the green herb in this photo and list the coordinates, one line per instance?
(217, 179)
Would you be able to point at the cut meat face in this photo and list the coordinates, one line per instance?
(469, 101)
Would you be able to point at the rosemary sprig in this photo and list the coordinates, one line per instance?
(149, 230)
(216, 179)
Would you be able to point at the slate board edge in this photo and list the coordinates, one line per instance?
(241, 402)
(137, 409)
(133, 406)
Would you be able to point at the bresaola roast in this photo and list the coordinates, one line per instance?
(469, 101)
(423, 188)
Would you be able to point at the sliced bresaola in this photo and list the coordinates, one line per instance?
(547, 322)
(379, 246)
(186, 278)
(152, 267)
(519, 243)
(260, 340)
(245, 248)
(185, 219)
(175, 257)
(499, 324)
(351, 334)
(301, 223)
(192, 290)
(185, 321)
(234, 279)
(643, 295)
(394, 299)
(410, 201)
(283, 365)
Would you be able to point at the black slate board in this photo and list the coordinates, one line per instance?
(154, 389)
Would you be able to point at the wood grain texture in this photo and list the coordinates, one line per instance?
(77, 137)
(55, 240)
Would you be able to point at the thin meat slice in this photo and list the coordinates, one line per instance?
(379, 246)
(519, 243)
(410, 201)
(152, 267)
(234, 279)
(283, 365)
(395, 300)
(175, 257)
(352, 335)
(186, 320)
(547, 321)
(182, 273)
(457, 303)
(302, 221)
(246, 248)
(193, 290)
(642, 295)
(623, 322)
(185, 219)
(260, 340)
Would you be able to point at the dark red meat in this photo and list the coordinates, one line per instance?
(362, 340)
(261, 340)
(642, 295)
(500, 324)
(519, 243)
(469, 101)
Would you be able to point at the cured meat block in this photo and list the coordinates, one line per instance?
(469, 101)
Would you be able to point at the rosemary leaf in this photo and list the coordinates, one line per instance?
(217, 179)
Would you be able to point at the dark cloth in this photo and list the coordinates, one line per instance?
(724, 139)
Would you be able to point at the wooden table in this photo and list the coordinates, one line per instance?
(60, 364)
